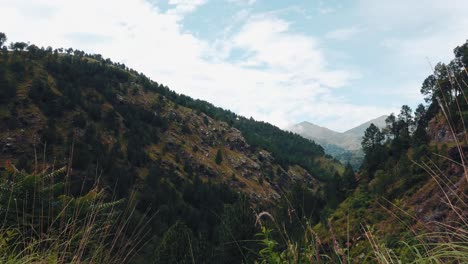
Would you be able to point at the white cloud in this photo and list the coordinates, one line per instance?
(343, 33)
(403, 13)
(409, 35)
(326, 10)
(183, 7)
(436, 27)
(274, 47)
(243, 2)
(283, 78)
(430, 47)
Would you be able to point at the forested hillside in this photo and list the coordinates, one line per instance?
(100, 164)
(189, 167)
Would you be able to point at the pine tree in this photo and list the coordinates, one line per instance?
(372, 138)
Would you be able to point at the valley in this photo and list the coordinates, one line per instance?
(101, 164)
(346, 146)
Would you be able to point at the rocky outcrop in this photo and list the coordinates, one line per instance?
(439, 131)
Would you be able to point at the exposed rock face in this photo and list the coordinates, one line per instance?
(186, 142)
(436, 200)
(193, 140)
(236, 141)
(439, 131)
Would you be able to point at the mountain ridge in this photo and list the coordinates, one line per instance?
(359, 130)
(344, 146)
(328, 136)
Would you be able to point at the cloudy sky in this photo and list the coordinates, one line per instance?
(334, 63)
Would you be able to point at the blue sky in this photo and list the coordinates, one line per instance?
(334, 63)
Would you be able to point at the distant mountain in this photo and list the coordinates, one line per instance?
(345, 146)
(359, 130)
(315, 132)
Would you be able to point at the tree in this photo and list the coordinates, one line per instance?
(461, 54)
(420, 119)
(7, 88)
(332, 191)
(429, 87)
(349, 178)
(375, 152)
(3, 39)
(372, 138)
(219, 157)
(405, 114)
(405, 125)
(391, 128)
(34, 52)
(18, 46)
(419, 115)
(439, 84)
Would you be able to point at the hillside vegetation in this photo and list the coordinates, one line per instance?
(193, 168)
(100, 164)
(410, 201)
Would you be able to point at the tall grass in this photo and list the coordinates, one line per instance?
(441, 241)
(42, 222)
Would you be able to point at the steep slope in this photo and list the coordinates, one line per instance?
(184, 160)
(414, 180)
(68, 98)
(359, 130)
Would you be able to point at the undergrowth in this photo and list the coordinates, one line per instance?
(43, 222)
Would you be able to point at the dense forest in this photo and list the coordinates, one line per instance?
(101, 164)
(186, 166)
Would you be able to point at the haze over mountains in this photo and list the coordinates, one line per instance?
(345, 146)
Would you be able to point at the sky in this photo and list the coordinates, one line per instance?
(334, 63)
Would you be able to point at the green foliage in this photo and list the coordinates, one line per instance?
(349, 181)
(41, 220)
(3, 39)
(41, 93)
(380, 182)
(7, 87)
(177, 246)
(301, 252)
(237, 232)
(84, 100)
(301, 205)
(219, 157)
(268, 253)
(372, 146)
(17, 68)
(372, 139)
